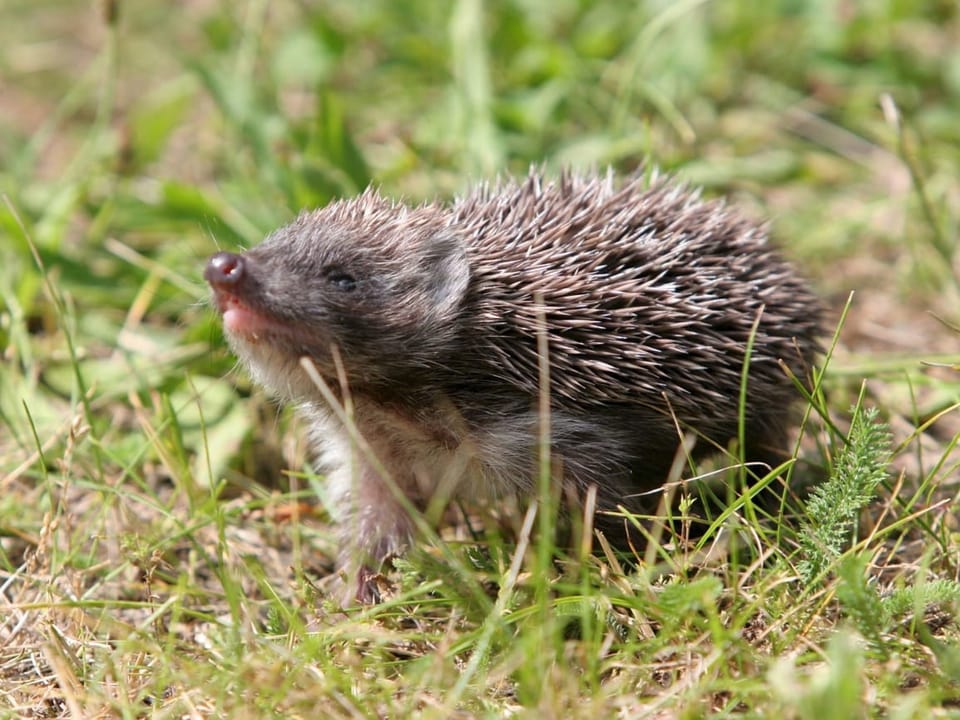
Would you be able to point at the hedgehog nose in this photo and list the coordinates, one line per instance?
(225, 269)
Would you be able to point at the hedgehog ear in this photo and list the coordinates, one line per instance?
(446, 270)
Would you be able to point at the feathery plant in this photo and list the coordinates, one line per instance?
(859, 600)
(875, 614)
(833, 506)
(832, 513)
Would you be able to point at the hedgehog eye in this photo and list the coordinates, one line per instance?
(341, 280)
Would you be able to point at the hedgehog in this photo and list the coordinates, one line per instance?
(411, 338)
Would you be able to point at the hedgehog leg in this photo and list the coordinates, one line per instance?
(374, 526)
(640, 493)
(766, 445)
(627, 457)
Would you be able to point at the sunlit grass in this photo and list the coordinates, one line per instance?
(162, 552)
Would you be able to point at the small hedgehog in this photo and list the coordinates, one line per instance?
(425, 321)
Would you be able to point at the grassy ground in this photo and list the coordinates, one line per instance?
(161, 551)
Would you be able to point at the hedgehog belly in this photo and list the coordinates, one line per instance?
(422, 454)
(444, 450)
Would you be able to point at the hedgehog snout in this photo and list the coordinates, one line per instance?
(225, 270)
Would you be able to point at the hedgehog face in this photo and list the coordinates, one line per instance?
(379, 297)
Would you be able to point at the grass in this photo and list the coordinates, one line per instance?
(161, 553)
